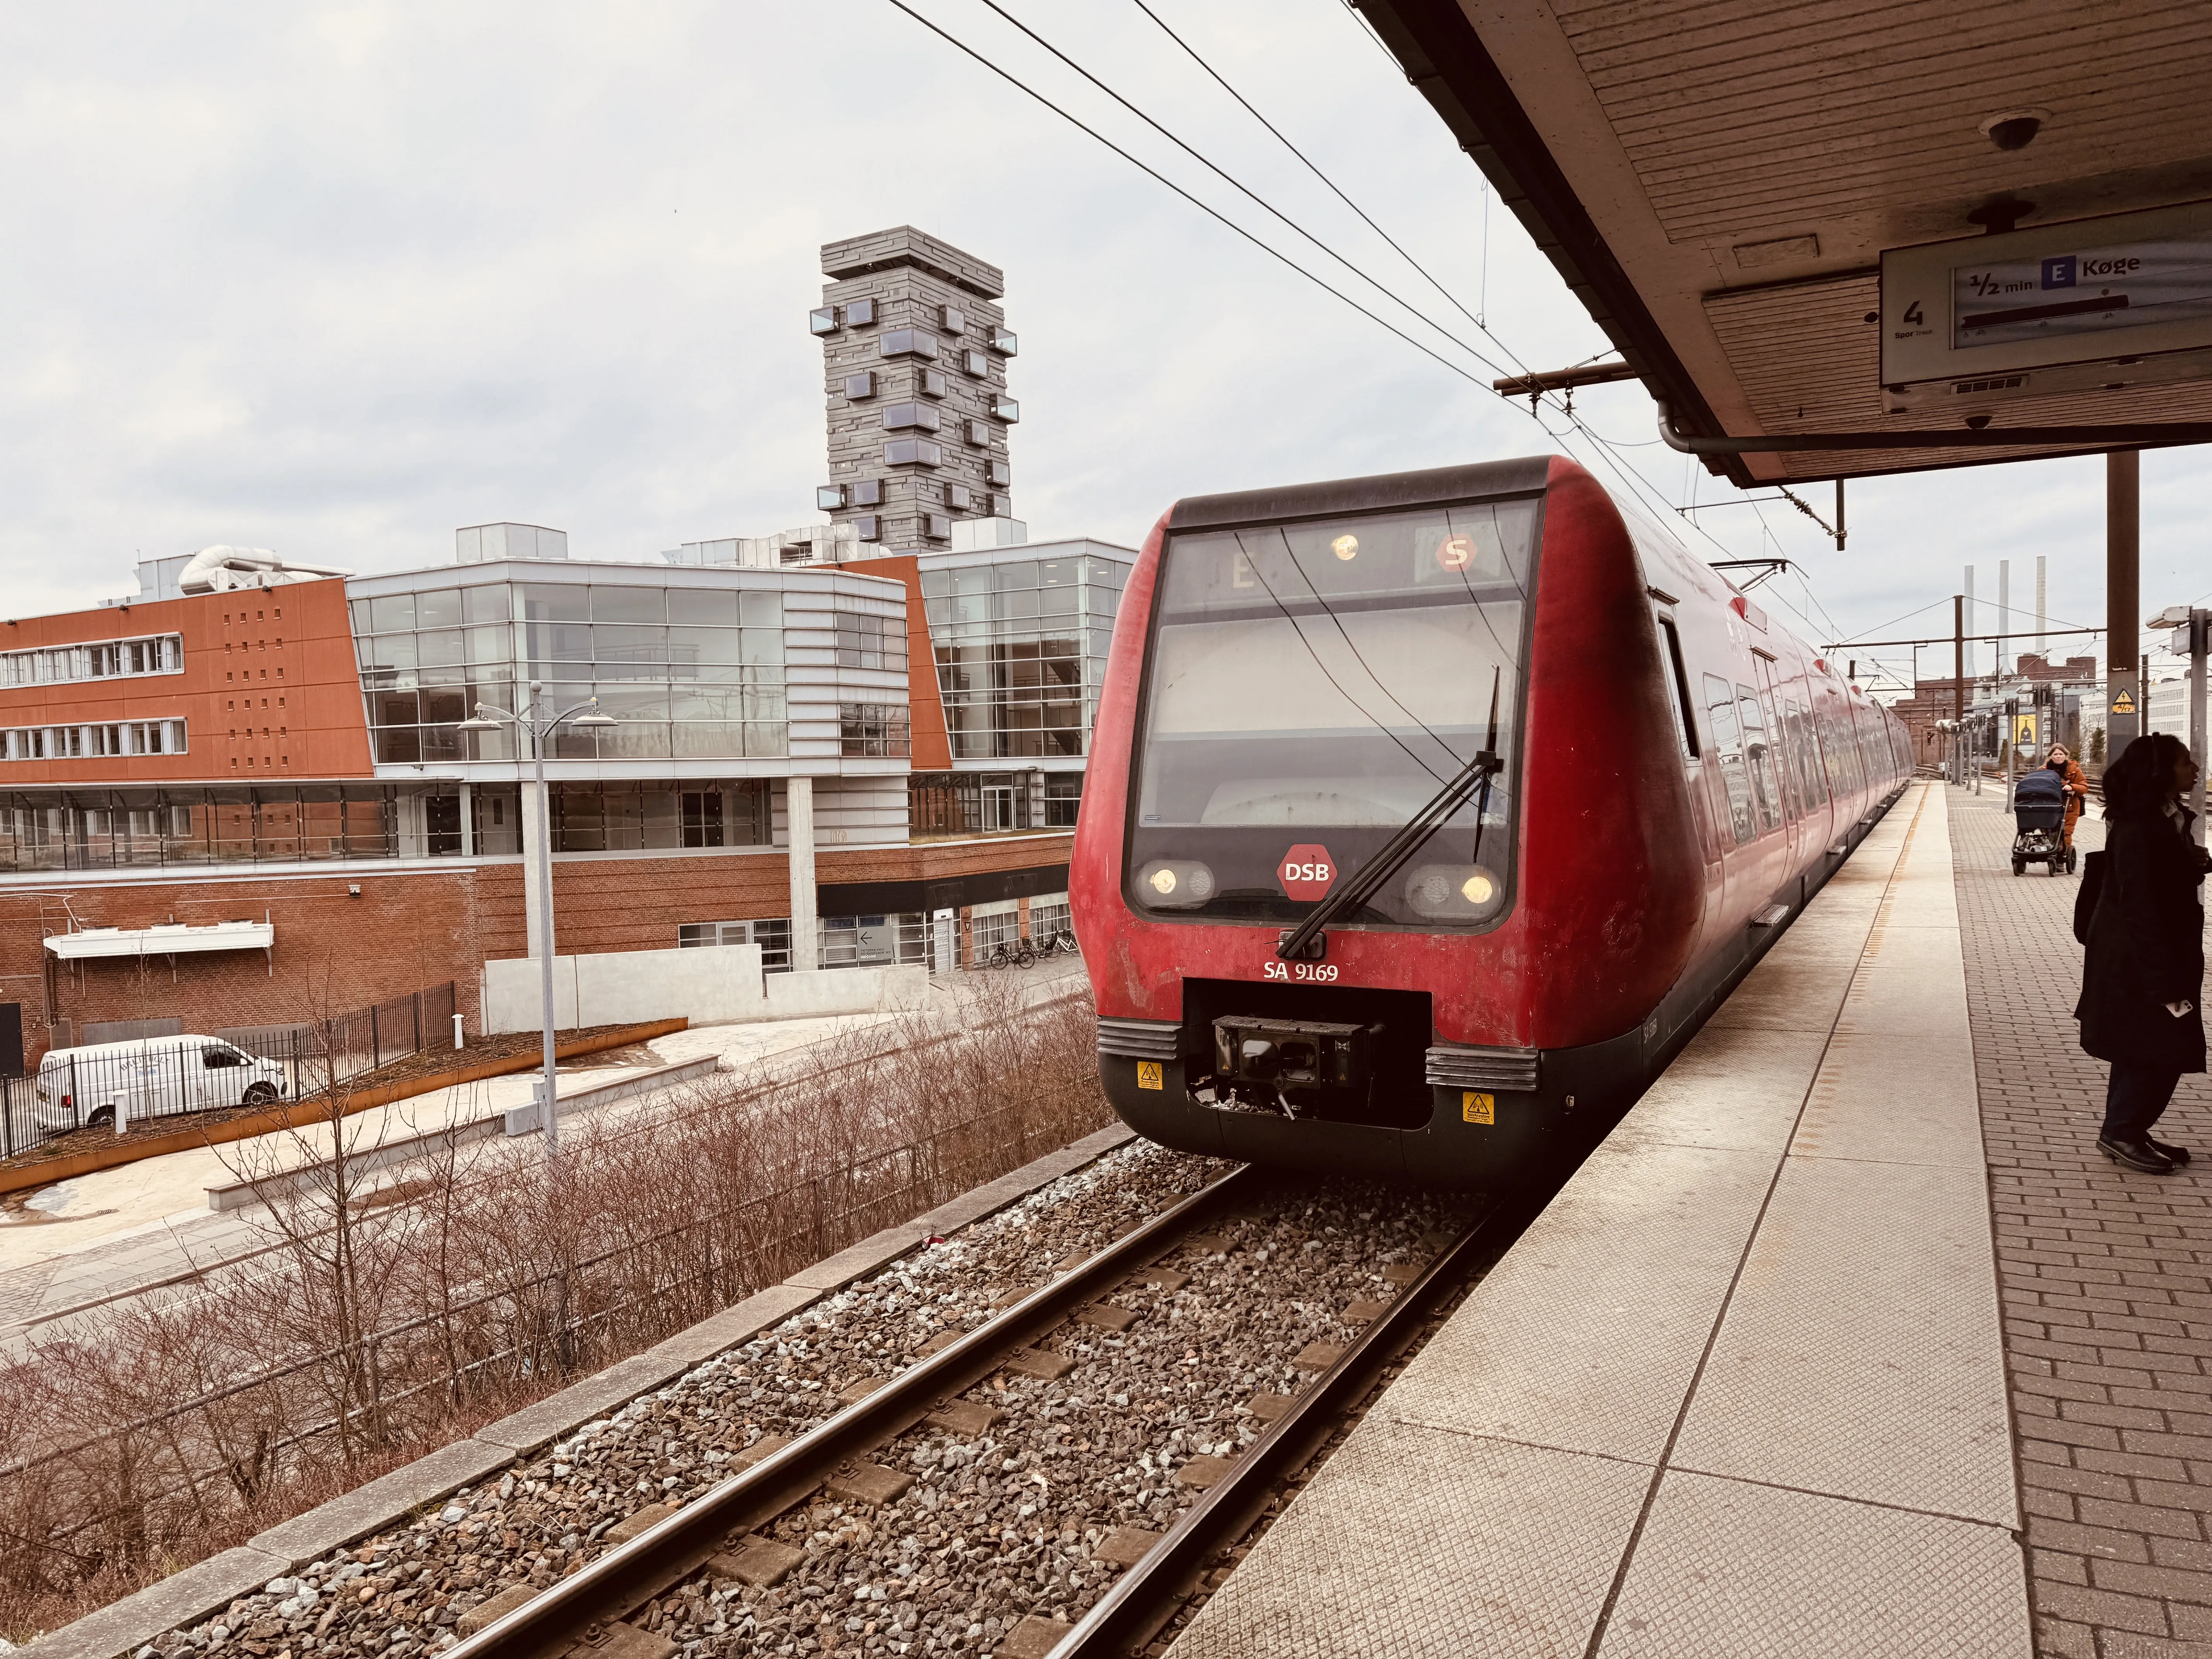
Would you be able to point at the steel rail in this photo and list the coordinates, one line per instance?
(1149, 1594)
(673, 1549)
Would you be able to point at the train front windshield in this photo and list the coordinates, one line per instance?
(1313, 686)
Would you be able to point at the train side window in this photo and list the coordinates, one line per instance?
(1728, 745)
(1815, 781)
(1678, 688)
(1758, 758)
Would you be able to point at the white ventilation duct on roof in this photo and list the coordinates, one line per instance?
(220, 570)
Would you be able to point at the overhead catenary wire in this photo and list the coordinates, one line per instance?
(1250, 194)
(1206, 208)
(1473, 317)
(1604, 448)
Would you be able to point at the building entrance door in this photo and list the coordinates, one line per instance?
(999, 806)
(441, 824)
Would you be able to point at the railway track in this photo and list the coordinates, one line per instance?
(725, 1533)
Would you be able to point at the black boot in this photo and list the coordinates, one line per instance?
(2135, 1152)
(2176, 1154)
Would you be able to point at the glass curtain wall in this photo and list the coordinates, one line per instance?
(705, 682)
(245, 825)
(117, 829)
(1021, 652)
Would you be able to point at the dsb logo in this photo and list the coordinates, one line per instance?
(1307, 872)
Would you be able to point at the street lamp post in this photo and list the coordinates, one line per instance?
(541, 728)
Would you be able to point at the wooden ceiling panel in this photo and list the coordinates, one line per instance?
(1717, 180)
(1808, 362)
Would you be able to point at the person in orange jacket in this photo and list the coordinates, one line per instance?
(2077, 787)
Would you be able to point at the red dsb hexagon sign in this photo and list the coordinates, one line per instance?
(1307, 872)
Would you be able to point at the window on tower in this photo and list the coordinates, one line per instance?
(898, 416)
(907, 342)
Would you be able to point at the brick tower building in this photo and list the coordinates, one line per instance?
(914, 350)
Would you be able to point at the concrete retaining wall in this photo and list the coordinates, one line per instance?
(518, 1120)
(709, 985)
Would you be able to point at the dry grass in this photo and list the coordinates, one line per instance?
(375, 1332)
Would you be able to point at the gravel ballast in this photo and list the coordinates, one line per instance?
(965, 1531)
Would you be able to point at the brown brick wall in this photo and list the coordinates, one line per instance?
(638, 903)
(333, 952)
(290, 645)
(411, 928)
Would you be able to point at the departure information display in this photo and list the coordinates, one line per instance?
(2090, 290)
(2092, 305)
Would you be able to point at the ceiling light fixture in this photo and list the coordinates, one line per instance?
(2012, 129)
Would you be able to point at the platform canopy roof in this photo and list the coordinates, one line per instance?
(1717, 182)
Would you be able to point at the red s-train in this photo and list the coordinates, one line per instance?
(1429, 814)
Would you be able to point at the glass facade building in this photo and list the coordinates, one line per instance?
(1020, 636)
(700, 677)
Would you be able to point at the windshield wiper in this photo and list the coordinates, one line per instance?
(1391, 857)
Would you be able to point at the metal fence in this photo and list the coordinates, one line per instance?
(120, 1084)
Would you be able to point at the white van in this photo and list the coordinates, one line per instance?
(103, 1083)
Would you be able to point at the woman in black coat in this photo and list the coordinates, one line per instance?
(2142, 982)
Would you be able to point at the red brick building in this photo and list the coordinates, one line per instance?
(292, 753)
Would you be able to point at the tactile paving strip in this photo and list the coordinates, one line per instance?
(1412, 1543)
(1725, 1568)
(1861, 1353)
(1895, 1098)
(1586, 1335)
(1739, 1089)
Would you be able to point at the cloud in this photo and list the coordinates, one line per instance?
(337, 279)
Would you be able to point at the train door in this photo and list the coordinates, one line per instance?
(1711, 837)
(1781, 760)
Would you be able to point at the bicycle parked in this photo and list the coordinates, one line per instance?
(1016, 955)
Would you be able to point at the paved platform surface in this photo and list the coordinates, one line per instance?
(1741, 1389)
(2108, 1282)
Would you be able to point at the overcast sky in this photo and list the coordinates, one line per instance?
(334, 280)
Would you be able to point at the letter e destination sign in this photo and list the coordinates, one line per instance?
(1307, 872)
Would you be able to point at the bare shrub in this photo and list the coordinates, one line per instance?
(373, 1331)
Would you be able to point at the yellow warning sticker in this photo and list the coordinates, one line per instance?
(1148, 1075)
(1478, 1108)
(2124, 704)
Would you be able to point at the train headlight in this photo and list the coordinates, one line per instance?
(1346, 547)
(1175, 885)
(1453, 892)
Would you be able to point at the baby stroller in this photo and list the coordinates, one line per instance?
(2039, 811)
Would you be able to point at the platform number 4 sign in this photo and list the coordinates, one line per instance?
(1148, 1075)
(1478, 1108)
